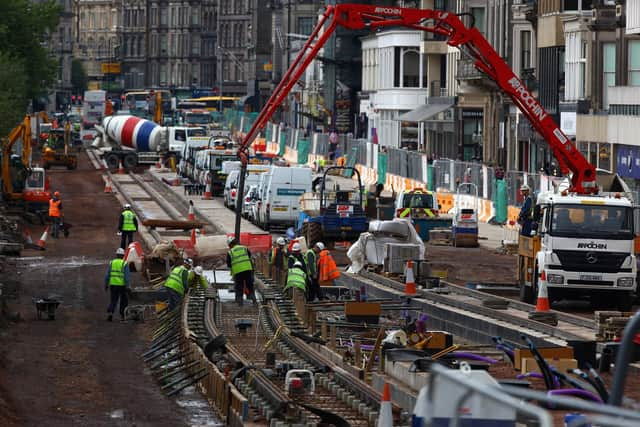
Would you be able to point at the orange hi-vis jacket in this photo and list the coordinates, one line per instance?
(327, 268)
(54, 207)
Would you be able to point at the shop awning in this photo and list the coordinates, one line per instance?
(424, 112)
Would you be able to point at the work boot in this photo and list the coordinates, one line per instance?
(110, 318)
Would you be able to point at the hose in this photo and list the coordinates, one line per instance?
(584, 394)
(473, 356)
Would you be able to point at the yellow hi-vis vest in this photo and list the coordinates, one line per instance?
(296, 278)
(127, 221)
(240, 260)
(174, 281)
(116, 275)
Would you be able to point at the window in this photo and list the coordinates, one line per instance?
(576, 5)
(195, 45)
(608, 70)
(164, 16)
(525, 49)
(305, 25)
(479, 17)
(634, 63)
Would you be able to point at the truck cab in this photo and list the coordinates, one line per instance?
(421, 208)
(584, 246)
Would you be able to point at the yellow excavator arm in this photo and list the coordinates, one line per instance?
(23, 132)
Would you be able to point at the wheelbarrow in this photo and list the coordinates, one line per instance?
(46, 306)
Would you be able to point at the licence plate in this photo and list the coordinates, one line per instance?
(345, 228)
(590, 277)
(279, 209)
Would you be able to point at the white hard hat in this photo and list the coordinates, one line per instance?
(320, 246)
(127, 206)
(525, 187)
(188, 261)
(230, 239)
(198, 270)
(281, 241)
(297, 264)
(119, 251)
(296, 246)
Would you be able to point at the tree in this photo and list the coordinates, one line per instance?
(79, 77)
(13, 92)
(26, 28)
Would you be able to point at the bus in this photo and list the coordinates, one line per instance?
(138, 100)
(212, 103)
(93, 108)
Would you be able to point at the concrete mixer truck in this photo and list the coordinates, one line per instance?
(131, 140)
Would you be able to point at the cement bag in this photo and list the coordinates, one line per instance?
(212, 246)
(357, 256)
(166, 250)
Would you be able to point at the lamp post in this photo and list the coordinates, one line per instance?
(220, 78)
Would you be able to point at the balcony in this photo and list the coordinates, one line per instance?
(467, 71)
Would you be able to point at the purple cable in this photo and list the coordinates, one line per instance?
(575, 392)
(556, 382)
(505, 349)
(472, 356)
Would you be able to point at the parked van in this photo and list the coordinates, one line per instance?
(281, 195)
(213, 172)
(252, 178)
(188, 155)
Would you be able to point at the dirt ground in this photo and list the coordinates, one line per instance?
(78, 369)
(464, 265)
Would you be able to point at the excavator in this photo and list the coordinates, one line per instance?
(565, 260)
(22, 183)
(52, 157)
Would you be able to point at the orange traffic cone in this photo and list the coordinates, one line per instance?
(409, 281)
(542, 302)
(191, 216)
(107, 185)
(43, 238)
(193, 236)
(386, 416)
(207, 194)
(121, 169)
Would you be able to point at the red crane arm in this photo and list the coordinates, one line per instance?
(469, 40)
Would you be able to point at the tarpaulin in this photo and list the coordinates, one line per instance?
(303, 151)
(382, 168)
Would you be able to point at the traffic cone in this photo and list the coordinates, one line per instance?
(43, 238)
(159, 162)
(107, 185)
(191, 216)
(27, 237)
(121, 169)
(207, 194)
(193, 236)
(542, 302)
(409, 281)
(386, 416)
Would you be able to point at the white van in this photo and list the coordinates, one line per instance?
(188, 156)
(252, 178)
(281, 195)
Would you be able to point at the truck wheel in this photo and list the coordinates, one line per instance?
(112, 161)
(130, 161)
(621, 301)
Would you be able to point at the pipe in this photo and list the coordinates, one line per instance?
(585, 394)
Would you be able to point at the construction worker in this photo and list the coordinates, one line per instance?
(296, 256)
(525, 218)
(55, 213)
(198, 279)
(311, 261)
(296, 277)
(327, 269)
(117, 281)
(178, 282)
(277, 259)
(239, 261)
(127, 225)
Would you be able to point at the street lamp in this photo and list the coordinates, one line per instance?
(220, 55)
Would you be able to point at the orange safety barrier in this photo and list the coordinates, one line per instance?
(255, 242)
(445, 200)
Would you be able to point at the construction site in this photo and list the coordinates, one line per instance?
(431, 312)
